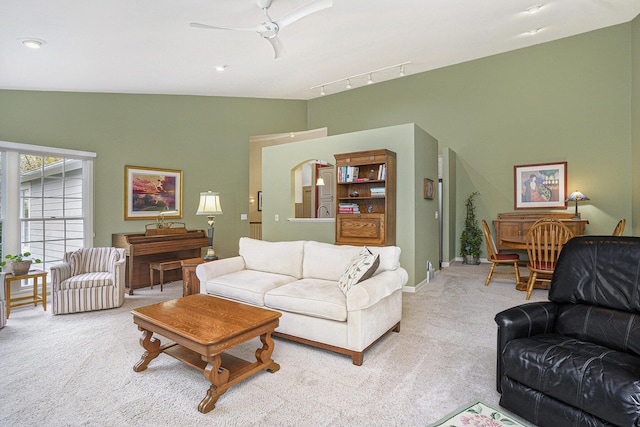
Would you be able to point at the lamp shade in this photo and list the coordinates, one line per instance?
(576, 196)
(209, 203)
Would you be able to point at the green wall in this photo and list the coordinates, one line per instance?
(417, 158)
(206, 137)
(568, 100)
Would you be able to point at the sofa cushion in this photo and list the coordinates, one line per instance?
(326, 261)
(87, 280)
(361, 267)
(246, 285)
(273, 257)
(610, 328)
(311, 297)
(596, 379)
(91, 260)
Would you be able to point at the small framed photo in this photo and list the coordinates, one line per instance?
(259, 200)
(540, 186)
(429, 189)
(150, 191)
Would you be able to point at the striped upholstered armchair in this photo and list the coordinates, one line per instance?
(88, 279)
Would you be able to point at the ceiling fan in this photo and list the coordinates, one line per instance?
(269, 28)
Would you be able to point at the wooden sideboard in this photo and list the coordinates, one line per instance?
(141, 250)
(514, 226)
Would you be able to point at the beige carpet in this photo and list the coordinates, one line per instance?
(76, 370)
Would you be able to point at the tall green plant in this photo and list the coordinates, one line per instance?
(471, 238)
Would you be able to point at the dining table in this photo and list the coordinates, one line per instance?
(520, 243)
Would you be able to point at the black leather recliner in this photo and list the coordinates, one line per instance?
(575, 361)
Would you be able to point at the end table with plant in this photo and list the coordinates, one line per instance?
(20, 264)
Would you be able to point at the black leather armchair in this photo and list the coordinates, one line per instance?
(575, 361)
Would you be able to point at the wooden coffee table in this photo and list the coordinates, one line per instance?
(202, 327)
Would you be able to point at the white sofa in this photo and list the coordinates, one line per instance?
(300, 280)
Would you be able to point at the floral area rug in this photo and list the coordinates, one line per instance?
(479, 414)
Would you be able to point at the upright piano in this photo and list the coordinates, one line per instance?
(141, 249)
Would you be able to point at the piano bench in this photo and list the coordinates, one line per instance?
(163, 266)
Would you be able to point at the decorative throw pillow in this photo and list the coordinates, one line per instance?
(361, 267)
(75, 260)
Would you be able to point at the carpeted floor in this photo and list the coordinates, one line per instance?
(76, 370)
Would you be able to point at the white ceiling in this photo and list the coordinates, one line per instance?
(147, 46)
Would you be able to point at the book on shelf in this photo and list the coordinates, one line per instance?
(377, 191)
(348, 208)
(349, 174)
(382, 172)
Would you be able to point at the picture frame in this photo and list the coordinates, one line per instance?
(429, 189)
(540, 186)
(150, 191)
(259, 200)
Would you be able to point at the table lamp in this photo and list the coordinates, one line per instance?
(576, 196)
(210, 206)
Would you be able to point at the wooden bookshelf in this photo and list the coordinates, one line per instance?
(366, 198)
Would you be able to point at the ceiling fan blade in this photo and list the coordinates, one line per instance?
(278, 47)
(303, 11)
(257, 28)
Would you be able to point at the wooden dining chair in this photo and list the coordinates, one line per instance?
(496, 258)
(545, 240)
(619, 227)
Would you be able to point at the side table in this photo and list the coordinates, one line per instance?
(190, 282)
(35, 275)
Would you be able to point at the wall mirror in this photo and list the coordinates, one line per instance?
(313, 188)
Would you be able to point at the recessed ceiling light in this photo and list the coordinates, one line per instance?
(32, 43)
(221, 68)
(535, 8)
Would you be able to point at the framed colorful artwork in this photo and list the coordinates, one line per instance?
(429, 189)
(540, 186)
(151, 191)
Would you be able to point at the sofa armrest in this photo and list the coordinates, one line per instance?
(370, 291)
(119, 274)
(520, 322)
(210, 270)
(59, 273)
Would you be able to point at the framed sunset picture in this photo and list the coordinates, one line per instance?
(150, 191)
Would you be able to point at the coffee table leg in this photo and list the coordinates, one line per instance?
(263, 355)
(152, 347)
(218, 377)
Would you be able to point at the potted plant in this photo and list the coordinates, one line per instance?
(19, 264)
(471, 238)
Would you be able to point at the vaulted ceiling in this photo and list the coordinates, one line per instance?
(147, 46)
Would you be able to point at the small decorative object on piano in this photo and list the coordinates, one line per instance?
(161, 227)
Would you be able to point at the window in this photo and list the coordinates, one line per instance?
(47, 199)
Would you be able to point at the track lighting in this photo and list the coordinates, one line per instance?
(369, 75)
